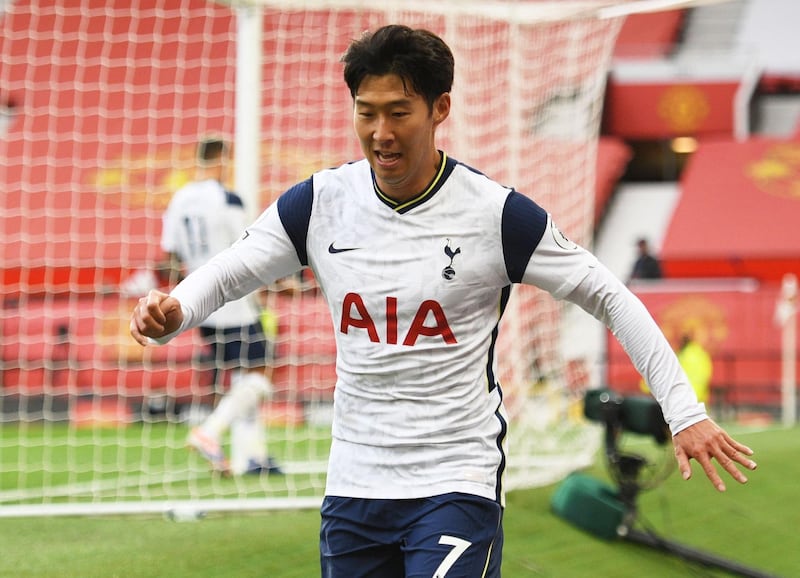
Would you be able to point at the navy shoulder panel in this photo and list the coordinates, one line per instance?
(233, 199)
(294, 210)
(524, 224)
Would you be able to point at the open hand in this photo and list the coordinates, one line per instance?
(705, 441)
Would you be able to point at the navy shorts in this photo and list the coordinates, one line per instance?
(449, 536)
(234, 347)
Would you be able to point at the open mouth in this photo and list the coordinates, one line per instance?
(386, 159)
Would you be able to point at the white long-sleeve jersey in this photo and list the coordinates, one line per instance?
(416, 292)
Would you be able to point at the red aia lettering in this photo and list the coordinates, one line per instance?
(418, 326)
(355, 314)
(363, 321)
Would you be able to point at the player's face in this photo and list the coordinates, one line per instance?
(396, 130)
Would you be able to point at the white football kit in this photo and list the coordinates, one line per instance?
(416, 293)
(201, 220)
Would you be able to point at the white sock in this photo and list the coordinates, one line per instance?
(248, 433)
(245, 396)
(248, 442)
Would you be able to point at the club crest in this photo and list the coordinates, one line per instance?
(449, 272)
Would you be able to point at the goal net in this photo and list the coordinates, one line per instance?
(101, 107)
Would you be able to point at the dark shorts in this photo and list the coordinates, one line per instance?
(450, 536)
(238, 346)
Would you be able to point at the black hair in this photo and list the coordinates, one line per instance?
(211, 149)
(419, 57)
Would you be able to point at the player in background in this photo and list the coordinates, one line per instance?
(416, 255)
(202, 219)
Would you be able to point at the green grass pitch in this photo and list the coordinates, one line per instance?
(754, 525)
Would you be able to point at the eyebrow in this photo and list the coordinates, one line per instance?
(397, 102)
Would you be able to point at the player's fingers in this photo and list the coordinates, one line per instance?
(683, 463)
(730, 455)
(711, 472)
(147, 319)
(729, 465)
(741, 448)
(741, 451)
(745, 461)
(152, 303)
(135, 332)
(735, 456)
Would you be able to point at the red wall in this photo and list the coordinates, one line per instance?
(735, 325)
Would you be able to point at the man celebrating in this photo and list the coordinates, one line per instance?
(416, 255)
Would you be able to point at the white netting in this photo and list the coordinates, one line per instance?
(104, 104)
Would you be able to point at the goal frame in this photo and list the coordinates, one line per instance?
(250, 57)
(248, 158)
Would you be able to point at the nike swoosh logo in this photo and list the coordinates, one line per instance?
(333, 250)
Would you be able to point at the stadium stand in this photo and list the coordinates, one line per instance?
(52, 254)
(96, 250)
(748, 190)
(72, 262)
(731, 235)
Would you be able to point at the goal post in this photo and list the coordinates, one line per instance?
(108, 103)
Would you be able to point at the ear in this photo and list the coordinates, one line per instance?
(441, 108)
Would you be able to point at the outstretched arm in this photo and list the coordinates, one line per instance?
(569, 272)
(695, 435)
(155, 316)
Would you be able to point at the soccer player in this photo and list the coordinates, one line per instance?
(416, 255)
(202, 219)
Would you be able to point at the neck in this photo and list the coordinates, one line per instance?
(402, 192)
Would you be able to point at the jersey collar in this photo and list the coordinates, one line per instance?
(445, 168)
